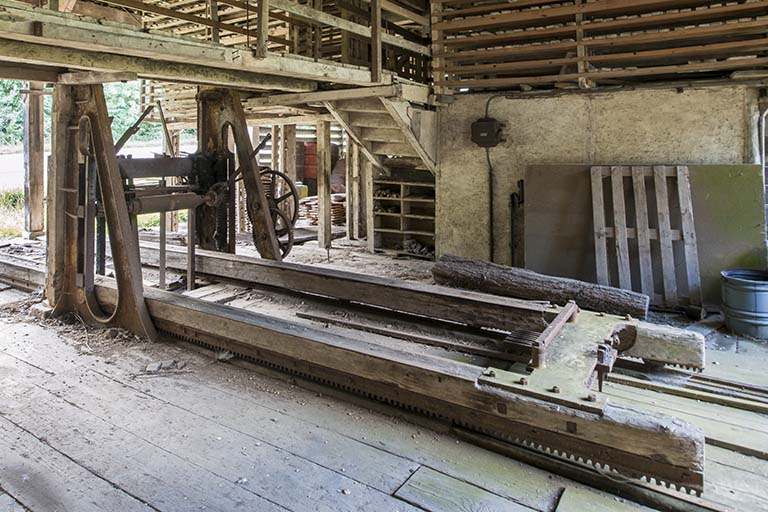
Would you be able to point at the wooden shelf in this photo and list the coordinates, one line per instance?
(415, 222)
(419, 199)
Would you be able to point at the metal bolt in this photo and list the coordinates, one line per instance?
(489, 373)
(523, 381)
(591, 397)
(555, 389)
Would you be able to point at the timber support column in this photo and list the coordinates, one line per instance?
(324, 225)
(34, 162)
(84, 166)
(288, 139)
(218, 110)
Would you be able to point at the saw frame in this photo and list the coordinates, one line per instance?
(547, 399)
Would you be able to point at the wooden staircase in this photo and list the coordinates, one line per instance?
(391, 131)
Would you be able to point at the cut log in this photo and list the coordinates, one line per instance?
(515, 282)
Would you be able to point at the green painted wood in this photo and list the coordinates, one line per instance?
(723, 426)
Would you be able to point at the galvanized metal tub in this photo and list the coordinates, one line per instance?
(745, 301)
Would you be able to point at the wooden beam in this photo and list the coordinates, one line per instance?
(325, 227)
(27, 73)
(620, 73)
(342, 119)
(96, 77)
(277, 100)
(31, 54)
(604, 8)
(405, 13)
(317, 17)
(68, 31)
(34, 162)
(437, 302)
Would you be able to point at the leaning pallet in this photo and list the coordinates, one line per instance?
(644, 232)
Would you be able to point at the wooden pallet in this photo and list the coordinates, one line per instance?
(649, 230)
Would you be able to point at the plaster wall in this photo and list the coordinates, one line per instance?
(648, 126)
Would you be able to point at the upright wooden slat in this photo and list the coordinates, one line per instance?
(620, 228)
(288, 139)
(350, 196)
(689, 236)
(642, 229)
(34, 162)
(275, 146)
(369, 222)
(262, 8)
(358, 183)
(598, 219)
(665, 236)
(325, 227)
(213, 7)
(376, 48)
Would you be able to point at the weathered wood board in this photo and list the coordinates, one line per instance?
(728, 205)
(435, 492)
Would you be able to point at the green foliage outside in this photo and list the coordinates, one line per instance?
(122, 102)
(11, 213)
(11, 113)
(12, 199)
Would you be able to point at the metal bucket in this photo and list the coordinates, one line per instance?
(745, 301)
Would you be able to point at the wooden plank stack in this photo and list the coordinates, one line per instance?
(650, 233)
(309, 209)
(579, 43)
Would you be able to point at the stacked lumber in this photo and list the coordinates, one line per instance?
(309, 209)
(576, 43)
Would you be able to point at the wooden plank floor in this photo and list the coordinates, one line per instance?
(85, 426)
(86, 423)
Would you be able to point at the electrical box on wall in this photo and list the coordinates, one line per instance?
(487, 132)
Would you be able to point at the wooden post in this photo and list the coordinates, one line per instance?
(349, 181)
(288, 138)
(437, 48)
(34, 162)
(376, 47)
(369, 224)
(59, 201)
(275, 144)
(317, 33)
(581, 51)
(355, 195)
(262, 7)
(171, 146)
(325, 228)
(361, 184)
(213, 7)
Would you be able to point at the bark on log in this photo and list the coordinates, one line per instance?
(515, 282)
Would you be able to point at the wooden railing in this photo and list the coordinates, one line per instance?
(382, 34)
(579, 43)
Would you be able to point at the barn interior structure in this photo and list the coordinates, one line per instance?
(444, 255)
